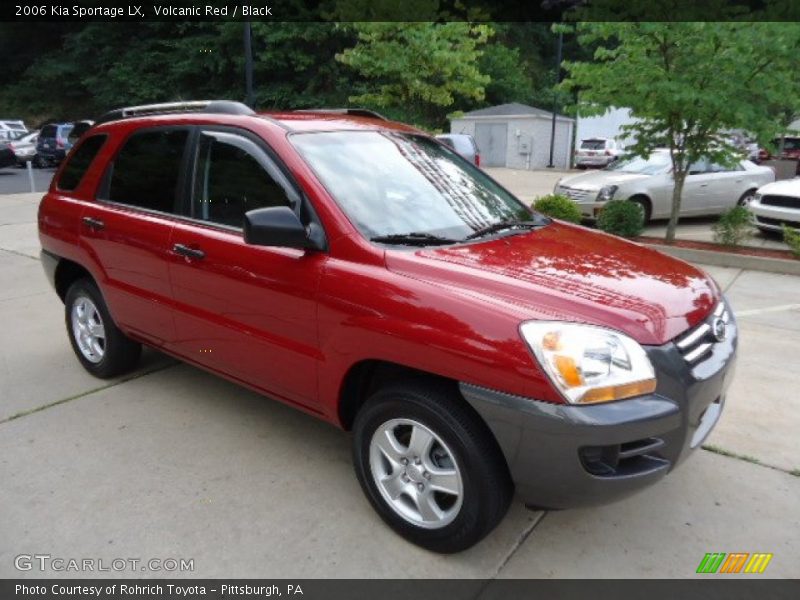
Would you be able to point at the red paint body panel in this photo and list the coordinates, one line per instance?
(292, 323)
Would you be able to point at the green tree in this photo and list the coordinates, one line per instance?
(688, 82)
(420, 66)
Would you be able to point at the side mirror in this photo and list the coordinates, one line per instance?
(280, 226)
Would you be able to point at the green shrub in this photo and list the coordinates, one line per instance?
(792, 238)
(558, 207)
(622, 218)
(734, 226)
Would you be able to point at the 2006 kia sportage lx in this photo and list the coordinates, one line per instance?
(363, 272)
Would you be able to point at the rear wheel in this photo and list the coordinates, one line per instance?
(746, 198)
(100, 346)
(429, 466)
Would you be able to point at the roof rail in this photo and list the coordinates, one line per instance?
(356, 112)
(227, 107)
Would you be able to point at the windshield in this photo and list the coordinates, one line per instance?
(394, 184)
(655, 163)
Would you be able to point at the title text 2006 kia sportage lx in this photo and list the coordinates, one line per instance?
(365, 273)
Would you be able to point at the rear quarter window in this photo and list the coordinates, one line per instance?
(79, 162)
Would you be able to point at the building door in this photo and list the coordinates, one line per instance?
(492, 140)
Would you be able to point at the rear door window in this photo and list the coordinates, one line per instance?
(79, 162)
(234, 175)
(146, 171)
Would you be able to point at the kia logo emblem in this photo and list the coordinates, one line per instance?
(719, 329)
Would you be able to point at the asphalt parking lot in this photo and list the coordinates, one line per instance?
(172, 462)
(14, 180)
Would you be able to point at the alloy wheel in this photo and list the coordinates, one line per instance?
(416, 473)
(88, 329)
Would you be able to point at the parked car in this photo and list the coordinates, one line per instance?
(463, 144)
(356, 269)
(709, 189)
(24, 147)
(11, 129)
(791, 150)
(53, 144)
(777, 204)
(7, 158)
(597, 152)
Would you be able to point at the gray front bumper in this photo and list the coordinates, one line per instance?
(564, 456)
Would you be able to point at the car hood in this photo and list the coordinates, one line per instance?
(595, 180)
(570, 273)
(785, 187)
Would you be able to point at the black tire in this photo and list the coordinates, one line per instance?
(746, 198)
(486, 484)
(120, 353)
(647, 208)
(37, 162)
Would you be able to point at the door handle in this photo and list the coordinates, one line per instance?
(188, 252)
(93, 223)
(703, 185)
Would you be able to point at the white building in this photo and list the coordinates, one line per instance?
(517, 136)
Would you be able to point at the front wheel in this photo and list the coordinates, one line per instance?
(429, 466)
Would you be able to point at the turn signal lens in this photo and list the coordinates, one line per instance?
(619, 392)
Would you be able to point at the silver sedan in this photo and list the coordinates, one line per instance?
(709, 189)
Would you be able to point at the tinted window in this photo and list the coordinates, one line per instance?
(145, 172)
(231, 179)
(49, 131)
(79, 162)
(593, 144)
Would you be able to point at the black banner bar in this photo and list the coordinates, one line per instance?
(711, 588)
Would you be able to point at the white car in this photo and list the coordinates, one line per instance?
(24, 147)
(597, 152)
(777, 204)
(709, 189)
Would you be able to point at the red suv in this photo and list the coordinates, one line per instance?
(365, 273)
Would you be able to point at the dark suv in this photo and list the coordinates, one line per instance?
(368, 275)
(53, 144)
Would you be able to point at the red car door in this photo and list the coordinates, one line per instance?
(127, 230)
(249, 312)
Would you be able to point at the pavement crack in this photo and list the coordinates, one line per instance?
(127, 378)
(750, 459)
(732, 281)
(22, 254)
(523, 537)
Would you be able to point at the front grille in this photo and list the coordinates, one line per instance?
(576, 194)
(696, 344)
(782, 201)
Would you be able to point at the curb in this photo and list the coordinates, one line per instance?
(735, 261)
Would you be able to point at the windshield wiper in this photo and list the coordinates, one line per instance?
(495, 227)
(412, 238)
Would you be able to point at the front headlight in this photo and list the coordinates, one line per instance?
(589, 364)
(756, 197)
(606, 193)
